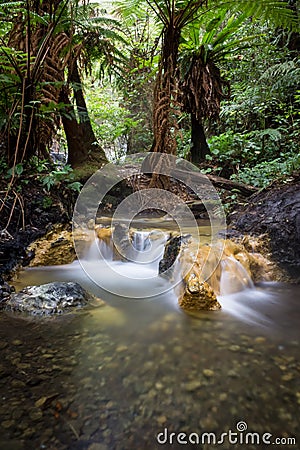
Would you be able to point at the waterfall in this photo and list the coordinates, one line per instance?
(146, 248)
(99, 250)
(141, 241)
(234, 277)
(106, 250)
(131, 266)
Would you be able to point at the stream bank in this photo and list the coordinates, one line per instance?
(275, 212)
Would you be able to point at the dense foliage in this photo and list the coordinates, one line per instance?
(216, 82)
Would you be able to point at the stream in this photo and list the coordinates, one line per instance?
(137, 372)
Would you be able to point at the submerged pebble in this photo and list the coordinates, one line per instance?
(81, 384)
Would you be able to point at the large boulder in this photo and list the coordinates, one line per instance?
(50, 298)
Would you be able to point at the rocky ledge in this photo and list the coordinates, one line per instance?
(275, 212)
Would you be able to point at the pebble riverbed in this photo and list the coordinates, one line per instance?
(114, 377)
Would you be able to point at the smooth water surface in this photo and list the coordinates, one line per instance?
(116, 376)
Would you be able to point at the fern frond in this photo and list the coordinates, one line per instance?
(287, 68)
(283, 76)
(278, 13)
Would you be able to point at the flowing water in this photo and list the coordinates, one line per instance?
(127, 375)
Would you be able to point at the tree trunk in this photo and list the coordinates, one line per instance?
(199, 147)
(165, 95)
(73, 131)
(164, 119)
(83, 148)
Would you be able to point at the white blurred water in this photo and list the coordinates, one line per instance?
(116, 280)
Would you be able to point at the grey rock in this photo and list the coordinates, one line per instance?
(50, 298)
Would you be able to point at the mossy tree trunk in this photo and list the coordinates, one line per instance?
(82, 143)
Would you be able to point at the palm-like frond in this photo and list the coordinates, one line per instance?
(279, 13)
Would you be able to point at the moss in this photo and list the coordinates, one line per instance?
(84, 172)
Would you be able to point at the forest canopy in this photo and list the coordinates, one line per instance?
(87, 82)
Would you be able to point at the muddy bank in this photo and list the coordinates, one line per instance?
(275, 211)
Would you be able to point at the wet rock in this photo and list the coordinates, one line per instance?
(50, 298)
(5, 291)
(97, 446)
(234, 348)
(55, 248)
(161, 420)
(6, 424)
(208, 373)
(103, 233)
(198, 295)
(223, 268)
(35, 414)
(223, 397)
(171, 252)
(18, 384)
(287, 377)
(193, 385)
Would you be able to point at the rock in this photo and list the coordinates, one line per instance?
(287, 377)
(193, 385)
(18, 384)
(171, 252)
(97, 446)
(55, 248)
(208, 373)
(35, 414)
(209, 270)
(50, 298)
(198, 295)
(103, 233)
(161, 420)
(7, 424)
(234, 348)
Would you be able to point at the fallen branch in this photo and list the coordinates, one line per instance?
(229, 185)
